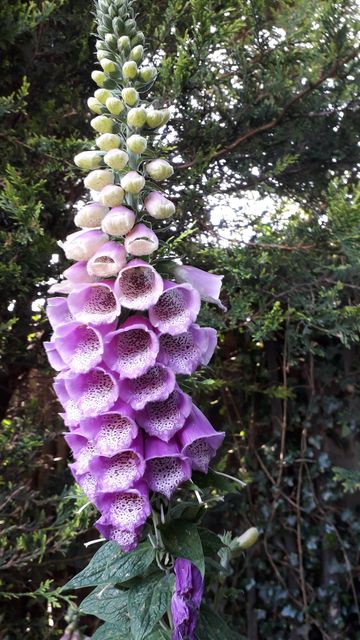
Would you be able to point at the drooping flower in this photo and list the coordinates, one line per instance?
(166, 468)
(107, 261)
(138, 285)
(199, 441)
(185, 603)
(186, 351)
(94, 303)
(132, 349)
(164, 418)
(93, 392)
(207, 284)
(176, 309)
(156, 384)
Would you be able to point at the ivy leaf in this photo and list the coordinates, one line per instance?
(109, 631)
(183, 541)
(147, 604)
(111, 565)
(109, 604)
(212, 627)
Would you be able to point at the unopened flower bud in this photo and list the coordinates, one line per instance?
(116, 159)
(112, 195)
(123, 42)
(102, 124)
(118, 222)
(102, 95)
(158, 206)
(137, 144)
(94, 105)
(98, 179)
(108, 65)
(108, 141)
(132, 182)
(141, 241)
(147, 74)
(154, 118)
(129, 70)
(82, 245)
(247, 539)
(99, 77)
(99, 44)
(137, 53)
(101, 54)
(115, 106)
(165, 116)
(159, 169)
(130, 96)
(110, 39)
(88, 160)
(136, 117)
(91, 215)
(139, 38)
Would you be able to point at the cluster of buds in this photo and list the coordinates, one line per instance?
(122, 333)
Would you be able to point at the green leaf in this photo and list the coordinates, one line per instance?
(214, 480)
(147, 604)
(212, 627)
(191, 511)
(210, 541)
(109, 604)
(111, 565)
(109, 631)
(183, 541)
(159, 634)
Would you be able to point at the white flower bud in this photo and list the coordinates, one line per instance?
(136, 117)
(101, 54)
(94, 105)
(141, 241)
(98, 179)
(132, 182)
(123, 42)
(88, 160)
(154, 118)
(116, 159)
(118, 222)
(165, 116)
(158, 206)
(115, 106)
(130, 96)
(102, 124)
(91, 215)
(82, 245)
(159, 169)
(110, 39)
(147, 74)
(112, 195)
(137, 53)
(137, 144)
(247, 539)
(108, 65)
(99, 44)
(108, 141)
(99, 77)
(129, 70)
(102, 95)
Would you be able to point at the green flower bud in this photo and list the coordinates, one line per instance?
(102, 95)
(94, 105)
(147, 74)
(137, 144)
(108, 65)
(247, 539)
(130, 25)
(129, 70)
(139, 38)
(130, 96)
(88, 160)
(165, 116)
(112, 195)
(110, 40)
(115, 106)
(102, 124)
(116, 159)
(99, 77)
(98, 179)
(108, 141)
(137, 53)
(136, 117)
(124, 42)
(154, 118)
(159, 169)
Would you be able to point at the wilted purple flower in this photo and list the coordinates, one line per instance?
(176, 309)
(207, 284)
(185, 603)
(94, 303)
(165, 417)
(166, 468)
(199, 441)
(186, 351)
(156, 384)
(93, 392)
(138, 285)
(125, 509)
(132, 349)
(107, 261)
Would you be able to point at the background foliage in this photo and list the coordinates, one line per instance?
(266, 99)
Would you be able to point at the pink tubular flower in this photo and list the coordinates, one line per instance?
(86, 481)
(54, 356)
(58, 312)
(156, 384)
(138, 285)
(185, 603)
(132, 349)
(176, 309)
(80, 346)
(207, 284)
(166, 468)
(120, 471)
(127, 540)
(78, 273)
(125, 509)
(94, 303)
(164, 418)
(184, 352)
(112, 431)
(107, 261)
(93, 392)
(83, 451)
(82, 245)
(199, 441)
(158, 206)
(141, 241)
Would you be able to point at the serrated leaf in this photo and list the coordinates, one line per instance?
(147, 604)
(212, 627)
(110, 565)
(183, 541)
(109, 631)
(108, 604)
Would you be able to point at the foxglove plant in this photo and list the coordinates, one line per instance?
(123, 334)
